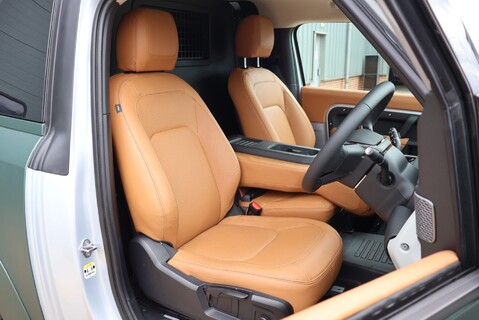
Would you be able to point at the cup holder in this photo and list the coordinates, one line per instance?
(295, 149)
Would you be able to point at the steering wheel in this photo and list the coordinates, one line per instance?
(329, 164)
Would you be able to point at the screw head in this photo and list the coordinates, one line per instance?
(404, 246)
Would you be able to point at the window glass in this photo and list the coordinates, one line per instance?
(24, 28)
(337, 55)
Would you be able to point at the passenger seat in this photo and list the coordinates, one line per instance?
(180, 176)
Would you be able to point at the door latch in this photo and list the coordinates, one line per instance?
(87, 247)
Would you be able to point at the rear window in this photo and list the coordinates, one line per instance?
(24, 29)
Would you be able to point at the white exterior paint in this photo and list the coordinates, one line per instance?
(62, 210)
(400, 256)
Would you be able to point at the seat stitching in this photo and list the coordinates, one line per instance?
(156, 155)
(318, 238)
(220, 213)
(241, 261)
(245, 75)
(303, 220)
(316, 279)
(140, 151)
(144, 76)
(288, 94)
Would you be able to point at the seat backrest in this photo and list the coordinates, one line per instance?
(266, 108)
(178, 170)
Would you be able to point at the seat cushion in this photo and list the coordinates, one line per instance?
(290, 258)
(300, 205)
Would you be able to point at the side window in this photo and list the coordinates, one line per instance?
(337, 55)
(24, 29)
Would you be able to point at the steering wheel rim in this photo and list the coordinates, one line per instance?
(332, 154)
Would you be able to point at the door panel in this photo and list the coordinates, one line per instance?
(316, 101)
(326, 108)
(404, 121)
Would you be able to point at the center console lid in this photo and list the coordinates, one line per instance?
(273, 150)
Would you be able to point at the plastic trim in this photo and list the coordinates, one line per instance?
(404, 298)
(53, 152)
(405, 248)
(192, 297)
(273, 150)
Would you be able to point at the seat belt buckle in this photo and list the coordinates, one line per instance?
(254, 209)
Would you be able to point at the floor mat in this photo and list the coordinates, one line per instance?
(367, 250)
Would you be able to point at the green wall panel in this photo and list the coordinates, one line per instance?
(16, 145)
(11, 306)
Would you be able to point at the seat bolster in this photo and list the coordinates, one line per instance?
(249, 108)
(298, 120)
(137, 167)
(290, 258)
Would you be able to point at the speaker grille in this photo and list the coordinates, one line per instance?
(425, 218)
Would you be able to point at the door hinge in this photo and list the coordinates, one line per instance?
(87, 247)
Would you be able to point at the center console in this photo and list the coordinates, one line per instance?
(281, 167)
(273, 150)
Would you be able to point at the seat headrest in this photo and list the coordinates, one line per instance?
(254, 37)
(147, 40)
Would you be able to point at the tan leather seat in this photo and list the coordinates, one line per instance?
(264, 104)
(180, 176)
(266, 108)
(268, 111)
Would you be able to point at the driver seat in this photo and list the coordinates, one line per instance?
(266, 108)
(268, 111)
(180, 176)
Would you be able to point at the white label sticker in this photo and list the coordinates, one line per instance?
(89, 270)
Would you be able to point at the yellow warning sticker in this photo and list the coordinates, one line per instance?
(89, 270)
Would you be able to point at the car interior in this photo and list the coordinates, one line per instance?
(241, 192)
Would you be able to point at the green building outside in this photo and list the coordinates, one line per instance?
(337, 55)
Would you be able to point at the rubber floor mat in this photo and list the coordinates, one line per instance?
(367, 250)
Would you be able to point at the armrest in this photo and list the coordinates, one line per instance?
(273, 174)
(360, 298)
